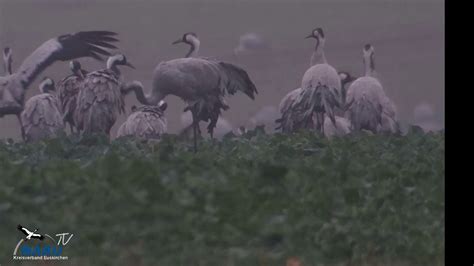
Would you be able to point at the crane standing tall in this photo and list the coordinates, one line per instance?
(320, 91)
(368, 105)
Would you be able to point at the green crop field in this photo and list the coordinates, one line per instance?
(252, 200)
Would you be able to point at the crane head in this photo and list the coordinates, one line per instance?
(119, 60)
(187, 38)
(47, 85)
(345, 77)
(75, 66)
(7, 53)
(317, 33)
(368, 54)
(368, 49)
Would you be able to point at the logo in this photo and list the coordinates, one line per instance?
(36, 246)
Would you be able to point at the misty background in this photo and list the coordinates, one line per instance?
(408, 37)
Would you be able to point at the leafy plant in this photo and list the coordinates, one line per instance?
(251, 200)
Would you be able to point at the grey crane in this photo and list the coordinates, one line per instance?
(99, 100)
(389, 121)
(63, 48)
(145, 123)
(41, 117)
(321, 91)
(202, 83)
(367, 104)
(7, 60)
(364, 97)
(287, 124)
(339, 128)
(68, 89)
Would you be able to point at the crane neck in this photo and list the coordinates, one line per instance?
(137, 88)
(194, 46)
(7, 61)
(369, 64)
(112, 63)
(318, 56)
(46, 86)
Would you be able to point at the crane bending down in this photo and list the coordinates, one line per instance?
(41, 117)
(68, 89)
(99, 100)
(202, 83)
(146, 122)
(63, 48)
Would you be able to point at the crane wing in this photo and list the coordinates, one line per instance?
(23, 229)
(38, 236)
(316, 99)
(63, 48)
(294, 118)
(236, 79)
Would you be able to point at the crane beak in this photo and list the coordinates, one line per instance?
(309, 36)
(177, 41)
(130, 65)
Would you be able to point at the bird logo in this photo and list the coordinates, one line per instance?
(30, 234)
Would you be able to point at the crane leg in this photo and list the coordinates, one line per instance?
(317, 122)
(195, 129)
(195, 137)
(320, 122)
(18, 116)
(211, 126)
